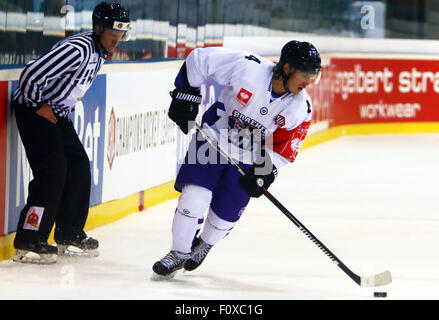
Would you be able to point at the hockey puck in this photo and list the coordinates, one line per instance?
(380, 294)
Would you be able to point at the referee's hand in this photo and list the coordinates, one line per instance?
(46, 112)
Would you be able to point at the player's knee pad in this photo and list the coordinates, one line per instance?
(188, 217)
(215, 228)
(194, 201)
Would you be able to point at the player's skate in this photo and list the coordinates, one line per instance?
(168, 266)
(78, 245)
(37, 253)
(200, 249)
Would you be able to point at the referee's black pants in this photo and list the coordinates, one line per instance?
(60, 189)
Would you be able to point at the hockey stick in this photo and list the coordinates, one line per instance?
(377, 280)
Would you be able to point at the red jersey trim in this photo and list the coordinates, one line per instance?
(288, 142)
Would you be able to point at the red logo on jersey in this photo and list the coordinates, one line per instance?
(244, 96)
(279, 120)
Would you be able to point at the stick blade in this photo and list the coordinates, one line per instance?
(377, 280)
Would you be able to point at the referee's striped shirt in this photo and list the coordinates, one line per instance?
(61, 77)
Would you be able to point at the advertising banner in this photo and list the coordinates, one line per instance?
(322, 99)
(140, 150)
(383, 90)
(3, 150)
(19, 175)
(89, 121)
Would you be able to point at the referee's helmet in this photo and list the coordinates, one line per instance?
(112, 16)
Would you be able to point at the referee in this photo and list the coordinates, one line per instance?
(48, 89)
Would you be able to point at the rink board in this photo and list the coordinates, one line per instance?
(133, 147)
(3, 150)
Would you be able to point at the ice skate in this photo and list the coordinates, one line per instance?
(36, 253)
(199, 253)
(167, 267)
(78, 246)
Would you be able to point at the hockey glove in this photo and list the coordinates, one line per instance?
(261, 175)
(184, 107)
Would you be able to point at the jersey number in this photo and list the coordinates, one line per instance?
(309, 106)
(253, 58)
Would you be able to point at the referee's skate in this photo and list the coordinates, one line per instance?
(36, 253)
(79, 245)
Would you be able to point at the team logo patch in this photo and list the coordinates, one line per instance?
(244, 96)
(33, 218)
(184, 212)
(279, 120)
(264, 111)
(117, 25)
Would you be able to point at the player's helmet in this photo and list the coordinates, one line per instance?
(302, 56)
(112, 16)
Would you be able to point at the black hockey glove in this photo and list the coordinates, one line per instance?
(184, 107)
(261, 175)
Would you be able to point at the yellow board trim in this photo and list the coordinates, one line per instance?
(107, 212)
(6, 247)
(114, 210)
(373, 128)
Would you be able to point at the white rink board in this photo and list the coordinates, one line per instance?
(142, 96)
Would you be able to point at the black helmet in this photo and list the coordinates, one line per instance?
(302, 56)
(112, 16)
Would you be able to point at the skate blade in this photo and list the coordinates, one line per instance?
(24, 256)
(74, 252)
(159, 277)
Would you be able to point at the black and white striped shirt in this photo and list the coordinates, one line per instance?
(61, 77)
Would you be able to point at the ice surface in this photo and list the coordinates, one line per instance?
(372, 200)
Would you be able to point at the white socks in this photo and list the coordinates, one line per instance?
(215, 228)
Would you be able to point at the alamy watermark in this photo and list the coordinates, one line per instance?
(368, 20)
(68, 277)
(69, 12)
(246, 145)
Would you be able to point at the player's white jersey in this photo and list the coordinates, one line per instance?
(247, 101)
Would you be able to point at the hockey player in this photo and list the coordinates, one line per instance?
(267, 101)
(48, 89)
